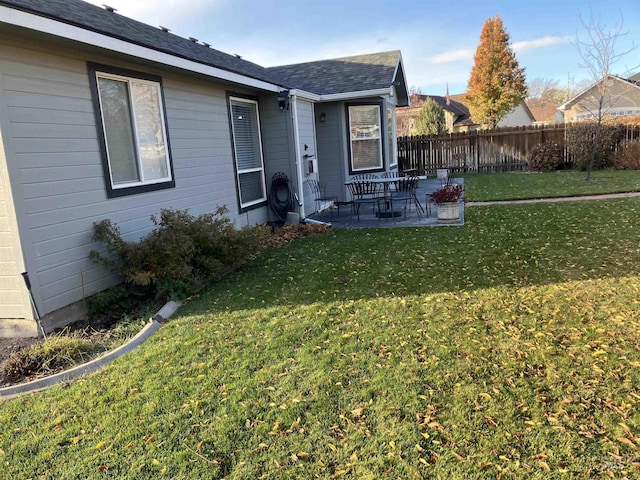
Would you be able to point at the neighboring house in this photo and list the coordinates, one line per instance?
(457, 116)
(621, 99)
(545, 114)
(102, 117)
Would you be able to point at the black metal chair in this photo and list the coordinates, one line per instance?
(363, 192)
(406, 188)
(394, 174)
(323, 201)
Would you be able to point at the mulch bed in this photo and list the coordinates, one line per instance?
(8, 346)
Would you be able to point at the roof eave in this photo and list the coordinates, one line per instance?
(334, 97)
(406, 100)
(56, 28)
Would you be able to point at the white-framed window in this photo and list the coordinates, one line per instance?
(132, 130)
(391, 135)
(365, 138)
(247, 149)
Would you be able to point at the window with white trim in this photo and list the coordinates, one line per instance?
(365, 137)
(133, 131)
(247, 148)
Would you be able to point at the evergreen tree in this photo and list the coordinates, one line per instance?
(497, 83)
(431, 119)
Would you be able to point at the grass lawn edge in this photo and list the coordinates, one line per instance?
(13, 391)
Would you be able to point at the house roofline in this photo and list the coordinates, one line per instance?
(400, 66)
(333, 97)
(38, 23)
(563, 107)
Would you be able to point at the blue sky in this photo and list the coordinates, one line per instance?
(437, 38)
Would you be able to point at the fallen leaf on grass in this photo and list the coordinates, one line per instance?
(457, 456)
(628, 442)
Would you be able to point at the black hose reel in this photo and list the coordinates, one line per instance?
(281, 197)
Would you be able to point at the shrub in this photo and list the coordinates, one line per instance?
(179, 255)
(626, 156)
(579, 143)
(545, 157)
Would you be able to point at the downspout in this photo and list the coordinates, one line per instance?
(27, 282)
(296, 149)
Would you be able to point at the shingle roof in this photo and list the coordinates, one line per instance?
(460, 110)
(543, 113)
(341, 75)
(100, 20)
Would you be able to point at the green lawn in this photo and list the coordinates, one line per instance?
(516, 186)
(507, 348)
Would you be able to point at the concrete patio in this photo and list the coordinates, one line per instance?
(345, 218)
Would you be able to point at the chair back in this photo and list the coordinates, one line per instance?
(407, 184)
(314, 186)
(364, 176)
(363, 189)
(393, 174)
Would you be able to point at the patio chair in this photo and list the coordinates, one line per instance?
(323, 201)
(363, 192)
(406, 188)
(393, 174)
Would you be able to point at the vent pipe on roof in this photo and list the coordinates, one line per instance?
(194, 40)
(208, 45)
(164, 29)
(108, 8)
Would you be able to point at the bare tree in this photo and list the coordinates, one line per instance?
(599, 52)
(539, 87)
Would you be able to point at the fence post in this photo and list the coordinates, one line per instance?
(477, 151)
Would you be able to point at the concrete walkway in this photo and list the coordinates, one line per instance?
(605, 196)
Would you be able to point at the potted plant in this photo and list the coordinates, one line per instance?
(447, 199)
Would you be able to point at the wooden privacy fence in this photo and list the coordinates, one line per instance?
(499, 150)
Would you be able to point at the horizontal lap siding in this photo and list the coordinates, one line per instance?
(56, 167)
(331, 152)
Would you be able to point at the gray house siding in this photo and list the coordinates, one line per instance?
(332, 138)
(277, 140)
(331, 148)
(55, 167)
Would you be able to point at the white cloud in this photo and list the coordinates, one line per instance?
(463, 54)
(520, 47)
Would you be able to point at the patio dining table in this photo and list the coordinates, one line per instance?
(385, 182)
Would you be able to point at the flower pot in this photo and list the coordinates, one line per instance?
(448, 212)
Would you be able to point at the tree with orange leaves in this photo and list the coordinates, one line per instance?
(497, 83)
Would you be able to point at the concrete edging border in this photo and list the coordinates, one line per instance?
(149, 329)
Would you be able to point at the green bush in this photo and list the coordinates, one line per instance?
(545, 157)
(579, 143)
(180, 254)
